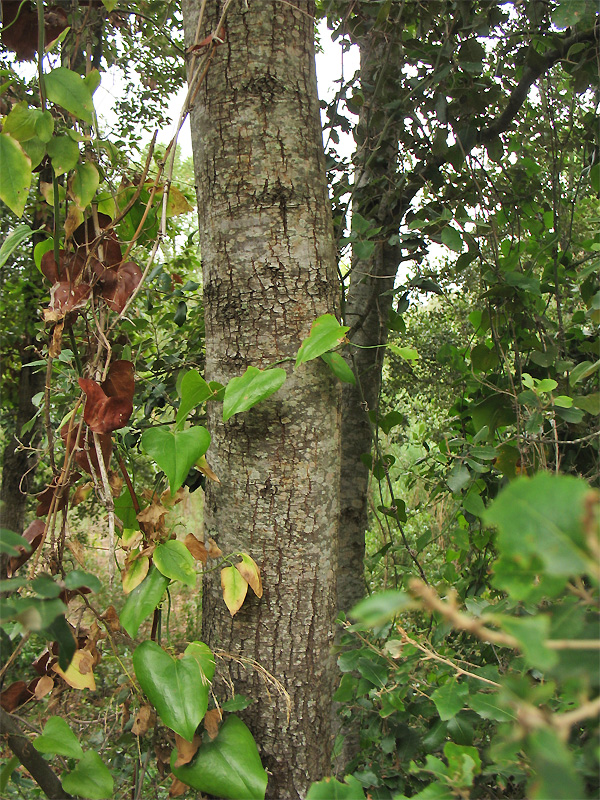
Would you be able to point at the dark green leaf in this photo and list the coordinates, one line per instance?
(339, 367)
(450, 698)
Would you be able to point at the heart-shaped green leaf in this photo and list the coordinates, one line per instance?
(174, 686)
(143, 600)
(228, 767)
(69, 90)
(15, 175)
(250, 388)
(63, 152)
(193, 391)
(58, 739)
(175, 561)
(90, 778)
(84, 183)
(176, 451)
(325, 334)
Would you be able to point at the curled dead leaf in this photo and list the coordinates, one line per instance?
(43, 687)
(177, 788)
(186, 750)
(196, 548)
(212, 720)
(111, 618)
(214, 551)
(144, 720)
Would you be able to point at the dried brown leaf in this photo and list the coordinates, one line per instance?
(214, 551)
(196, 548)
(44, 686)
(186, 750)
(144, 720)
(212, 720)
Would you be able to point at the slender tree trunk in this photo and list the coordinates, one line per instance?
(269, 271)
(366, 311)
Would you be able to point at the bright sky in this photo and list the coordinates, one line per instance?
(332, 63)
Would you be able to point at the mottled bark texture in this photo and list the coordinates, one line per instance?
(269, 271)
(367, 309)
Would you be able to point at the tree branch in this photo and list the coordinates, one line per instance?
(29, 757)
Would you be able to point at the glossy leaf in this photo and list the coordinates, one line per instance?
(175, 561)
(174, 686)
(142, 601)
(15, 175)
(325, 334)
(58, 739)
(250, 388)
(91, 778)
(69, 90)
(193, 391)
(176, 452)
(227, 767)
(204, 658)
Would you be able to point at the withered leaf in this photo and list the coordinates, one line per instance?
(212, 720)
(15, 695)
(34, 535)
(111, 618)
(177, 788)
(43, 687)
(144, 720)
(214, 551)
(117, 294)
(186, 750)
(196, 548)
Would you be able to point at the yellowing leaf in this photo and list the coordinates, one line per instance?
(234, 589)
(79, 673)
(134, 573)
(250, 572)
(203, 466)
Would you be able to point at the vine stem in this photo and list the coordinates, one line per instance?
(109, 504)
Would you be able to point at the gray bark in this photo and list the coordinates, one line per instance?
(269, 271)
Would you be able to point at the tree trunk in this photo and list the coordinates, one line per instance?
(366, 311)
(269, 271)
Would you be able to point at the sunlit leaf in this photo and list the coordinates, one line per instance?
(193, 391)
(325, 334)
(250, 388)
(15, 174)
(69, 90)
(176, 451)
(175, 561)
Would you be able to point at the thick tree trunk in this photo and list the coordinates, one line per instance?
(366, 311)
(269, 270)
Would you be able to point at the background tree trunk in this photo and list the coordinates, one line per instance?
(269, 271)
(367, 307)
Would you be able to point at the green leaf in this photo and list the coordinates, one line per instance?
(15, 175)
(228, 767)
(93, 79)
(339, 367)
(9, 541)
(237, 703)
(250, 388)
(64, 153)
(541, 517)
(143, 600)
(488, 707)
(325, 334)
(61, 632)
(69, 90)
(363, 250)
(407, 353)
(204, 658)
(378, 608)
(21, 121)
(78, 578)
(589, 403)
(35, 150)
(553, 773)
(84, 183)
(174, 686)
(35, 614)
(14, 239)
(91, 778)
(374, 672)
(58, 739)
(531, 633)
(193, 391)
(450, 698)
(571, 12)
(464, 762)
(452, 239)
(175, 561)
(332, 789)
(6, 771)
(176, 451)
(44, 126)
(583, 370)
